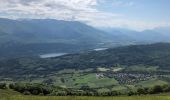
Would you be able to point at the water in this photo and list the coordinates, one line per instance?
(50, 55)
(100, 49)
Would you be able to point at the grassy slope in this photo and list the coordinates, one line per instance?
(151, 83)
(10, 95)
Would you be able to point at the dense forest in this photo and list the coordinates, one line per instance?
(152, 55)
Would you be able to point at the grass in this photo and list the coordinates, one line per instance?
(93, 82)
(19, 97)
(151, 83)
(76, 80)
(119, 88)
(103, 69)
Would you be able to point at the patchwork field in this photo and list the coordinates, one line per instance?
(104, 79)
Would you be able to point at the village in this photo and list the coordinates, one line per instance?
(126, 78)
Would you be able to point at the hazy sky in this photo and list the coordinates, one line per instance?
(133, 14)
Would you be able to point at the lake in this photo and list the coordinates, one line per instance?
(50, 55)
(99, 49)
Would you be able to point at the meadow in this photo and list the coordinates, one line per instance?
(20, 97)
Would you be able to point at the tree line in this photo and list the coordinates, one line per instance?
(42, 89)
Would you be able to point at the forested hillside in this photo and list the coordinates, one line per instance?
(145, 55)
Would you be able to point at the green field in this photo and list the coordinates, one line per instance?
(151, 83)
(11, 95)
(76, 80)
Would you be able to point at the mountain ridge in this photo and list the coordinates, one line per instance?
(16, 36)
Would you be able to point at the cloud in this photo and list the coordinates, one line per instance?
(61, 9)
(78, 10)
(129, 24)
(120, 3)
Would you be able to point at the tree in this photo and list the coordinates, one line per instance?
(35, 92)
(3, 86)
(166, 88)
(157, 89)
(140, 91)
(11, 86)
(130, 93)
(26, 92)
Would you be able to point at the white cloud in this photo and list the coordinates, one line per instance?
(130, 24)
(120, 3)
(60, 9)
(79, 10)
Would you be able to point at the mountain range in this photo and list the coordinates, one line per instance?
(28, 37)
(23, 37)
(161, 34)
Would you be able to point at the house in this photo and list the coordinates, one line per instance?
(99, 75)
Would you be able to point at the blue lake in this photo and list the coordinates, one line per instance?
(50, 55)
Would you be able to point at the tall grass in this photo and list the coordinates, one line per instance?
(20, 97)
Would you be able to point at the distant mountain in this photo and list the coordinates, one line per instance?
(28, 37)
(20, 37)
(153, 36)
(163, 30)
(49, 30)
(146, 36)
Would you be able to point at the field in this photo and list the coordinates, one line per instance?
(84, 98)
(151, 83)
(89, 98)
(102, 81)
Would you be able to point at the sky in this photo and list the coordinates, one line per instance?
(132, 14)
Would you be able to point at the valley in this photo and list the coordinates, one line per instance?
(117, 69)
(84, 50)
